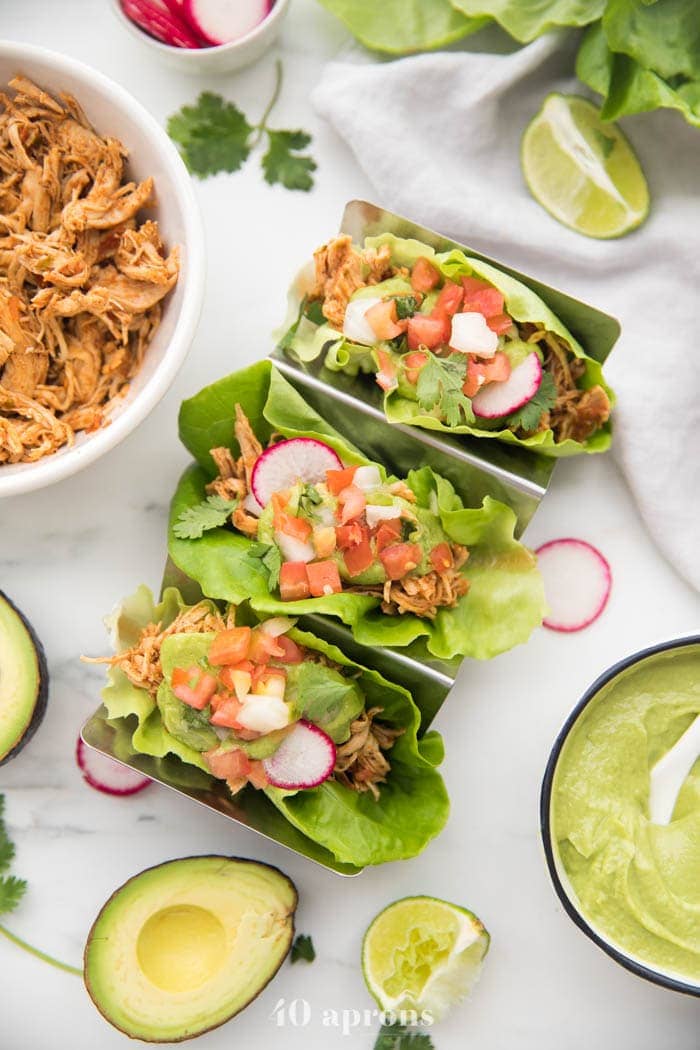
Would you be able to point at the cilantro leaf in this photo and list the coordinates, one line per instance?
(406, 306)
(213, 135)
(310, 497)
(528, 416)
(7, 850)
(12, 890)
(398, 1037)
(211, 513)
(440, 384)
(270, 556)
(303, 948)
(284, 164)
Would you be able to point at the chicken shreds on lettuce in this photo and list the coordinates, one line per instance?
(81, 279)
(272, 709)
(283, 511)
(455, 344)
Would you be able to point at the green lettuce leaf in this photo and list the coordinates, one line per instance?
(527, 19)
(628, 87)
(413, 804)
(505, 601)
(662, 36)
(399, 27)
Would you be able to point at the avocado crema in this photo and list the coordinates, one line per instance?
(182, 947)
(637, 883)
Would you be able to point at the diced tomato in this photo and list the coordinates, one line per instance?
(473, 285)
(337, 480)
(299, 528)
(228, 765)
(263, 646)
(352, 501)
(441, 557)
(425, 331)
(358, 558)
(400, 559)
(226, 713)
(230, 647)
(292, 653)
(279, 507)
(498, 369)
(193, 686)
(487, 301)
(424, 276)
(323, 540)
(499, 323)
(449, 300)
(386, 376)
(350, 535)
(475, 377)
(383, 321)
(257, 775)
(479, 372)
(412, 364)
(294, 582)
(324, 578)
(388, 532)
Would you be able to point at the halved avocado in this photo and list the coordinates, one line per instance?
(24, 680)
(183, 947)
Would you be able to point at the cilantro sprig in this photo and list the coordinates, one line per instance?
(528, 416)
(303, 948)
(271, 559)
(440, 381)
(214, 135)
(12, 890)
(211, 513)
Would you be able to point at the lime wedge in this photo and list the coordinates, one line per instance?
(421, 953)
(583, 170)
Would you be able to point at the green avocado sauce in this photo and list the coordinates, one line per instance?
(637, 883)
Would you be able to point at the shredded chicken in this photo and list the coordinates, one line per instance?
(141, 664)
(81, 282)
(341, 269)
(233, 479)
(361, 763)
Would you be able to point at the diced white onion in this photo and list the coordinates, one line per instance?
(367, 478)
(277, 625)
(252, 506)
(471, 335)
(375, 514)
(264, 714)
(294, 549)
(274, 685)
(356, 327)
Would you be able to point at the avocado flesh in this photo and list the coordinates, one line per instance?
(182, 947)
(23, 680)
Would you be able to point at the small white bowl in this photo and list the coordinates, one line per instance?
(208, 61)
(114, 112)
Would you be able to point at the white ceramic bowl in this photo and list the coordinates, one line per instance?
(114, 112)
(212, 60)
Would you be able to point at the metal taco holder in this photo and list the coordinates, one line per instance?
(477, 467)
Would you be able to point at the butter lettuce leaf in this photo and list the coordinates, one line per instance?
(505, 601)
(355, 828)
(399, 27)
(527, 19)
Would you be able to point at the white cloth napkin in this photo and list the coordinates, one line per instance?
(438, 135)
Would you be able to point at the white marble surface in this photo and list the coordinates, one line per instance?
(67, 553)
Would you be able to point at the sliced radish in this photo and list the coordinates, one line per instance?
(304, 759)
(283, 464)
(500, 399)
(220, 21)
(104, 774)
(577, 581)
(161, 22)
(251, 505)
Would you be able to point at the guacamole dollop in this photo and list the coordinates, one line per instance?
(637, 883)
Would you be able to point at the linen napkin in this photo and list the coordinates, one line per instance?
(439, 136)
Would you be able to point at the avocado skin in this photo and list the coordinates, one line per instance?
(154, 867)
(43, 691)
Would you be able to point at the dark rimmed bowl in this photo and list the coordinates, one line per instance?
(566, 893)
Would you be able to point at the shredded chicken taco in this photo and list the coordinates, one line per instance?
(81, 278)
(266, 707)
(285, 512)
(454, 343)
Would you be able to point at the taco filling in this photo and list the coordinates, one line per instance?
(344, 528)
(472, 348)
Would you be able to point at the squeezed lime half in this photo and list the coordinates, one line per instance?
(583, 170)
(422, 953)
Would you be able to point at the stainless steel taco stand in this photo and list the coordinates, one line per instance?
(476, 467)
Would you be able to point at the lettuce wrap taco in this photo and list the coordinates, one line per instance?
(269, 708)
(282, 511)
(456, 345)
